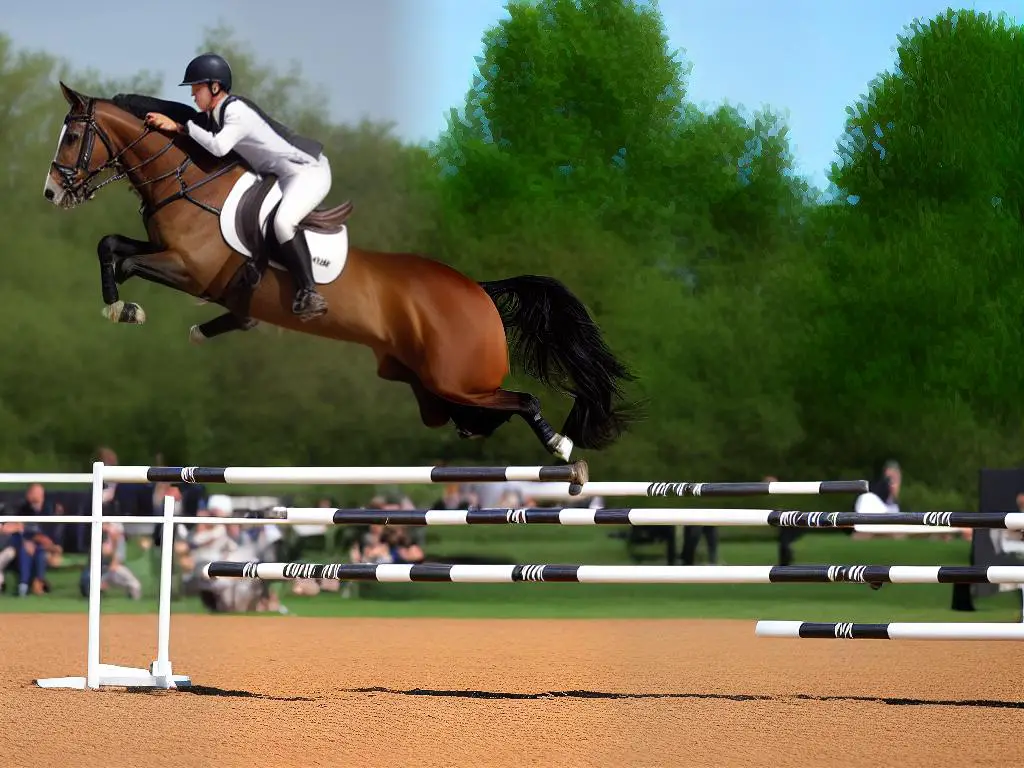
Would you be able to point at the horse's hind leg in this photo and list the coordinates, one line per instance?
(218, 326)
(501, 405)
(434, 412)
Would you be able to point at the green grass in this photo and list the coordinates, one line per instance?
(595, 545)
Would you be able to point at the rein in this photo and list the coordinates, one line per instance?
(81, 189)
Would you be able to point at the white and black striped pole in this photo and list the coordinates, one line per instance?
(640, 516)
(845, 630)
(575, 473)
(711, 490)
(622, 574)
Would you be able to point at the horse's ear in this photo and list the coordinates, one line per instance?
(73, 98)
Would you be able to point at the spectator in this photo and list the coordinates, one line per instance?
(382, 544)
(691, 540)
(7, 553)
(883, 496)
(113, 571)
(43, 534)
(31, 547)
(205, 543)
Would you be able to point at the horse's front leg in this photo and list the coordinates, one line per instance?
(122, 258)
(112, 251)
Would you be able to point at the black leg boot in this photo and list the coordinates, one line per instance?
(308, 303)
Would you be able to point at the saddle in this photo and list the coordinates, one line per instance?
(324, 220)
(254, 228)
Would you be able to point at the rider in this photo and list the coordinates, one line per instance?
(301, 167)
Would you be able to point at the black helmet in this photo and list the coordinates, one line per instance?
(205, 69)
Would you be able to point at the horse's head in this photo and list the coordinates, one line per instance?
(101, 134)
(79, 158)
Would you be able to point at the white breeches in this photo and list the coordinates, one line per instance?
(301, 193)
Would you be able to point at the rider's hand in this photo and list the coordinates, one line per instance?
(162, 122)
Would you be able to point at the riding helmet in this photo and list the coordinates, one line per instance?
(206, 68)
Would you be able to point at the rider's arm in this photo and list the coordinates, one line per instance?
(222, 142)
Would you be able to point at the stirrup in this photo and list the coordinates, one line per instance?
(309, 304)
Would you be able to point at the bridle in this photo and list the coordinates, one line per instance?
(80, 190)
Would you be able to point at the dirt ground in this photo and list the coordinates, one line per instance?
(377, 692)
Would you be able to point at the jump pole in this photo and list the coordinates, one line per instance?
(576, 473)
(620, 574)
(844, 630)
(46, 478)
(922, 522)
(714, 490)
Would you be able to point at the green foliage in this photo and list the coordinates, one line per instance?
(906, 146)
(570, 97)
(918, 299)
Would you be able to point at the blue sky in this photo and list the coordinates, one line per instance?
(409, 61)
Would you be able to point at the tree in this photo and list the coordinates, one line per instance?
(945, 126)
(916, 293)
(569, 95)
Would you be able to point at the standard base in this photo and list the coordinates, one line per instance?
(122, 677)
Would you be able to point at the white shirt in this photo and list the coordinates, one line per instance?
(245, 132)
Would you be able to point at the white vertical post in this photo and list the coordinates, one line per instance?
(161, 668)
(95, 576)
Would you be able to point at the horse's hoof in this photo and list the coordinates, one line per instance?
(561, 446)
(580, 477)
(195, 335)
(125, 312)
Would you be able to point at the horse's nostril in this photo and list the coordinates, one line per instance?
(50, 194)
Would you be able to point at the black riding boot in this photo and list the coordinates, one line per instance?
(308, 304)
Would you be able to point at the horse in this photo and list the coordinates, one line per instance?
(448, 337)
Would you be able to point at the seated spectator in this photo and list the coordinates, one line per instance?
(205, 543)
(45, 535)
(386, 544)
(7, 553)
(113, 571)
(401, 546)
(42, 534)
(25, 545)
(210, 542)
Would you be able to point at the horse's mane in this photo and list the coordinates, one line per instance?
(139, 104)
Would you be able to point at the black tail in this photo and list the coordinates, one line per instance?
(553, 338)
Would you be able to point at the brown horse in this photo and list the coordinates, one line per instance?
(429, 326)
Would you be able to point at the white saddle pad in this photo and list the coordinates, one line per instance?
(329, 252)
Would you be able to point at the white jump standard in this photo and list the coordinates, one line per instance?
(160, 673)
